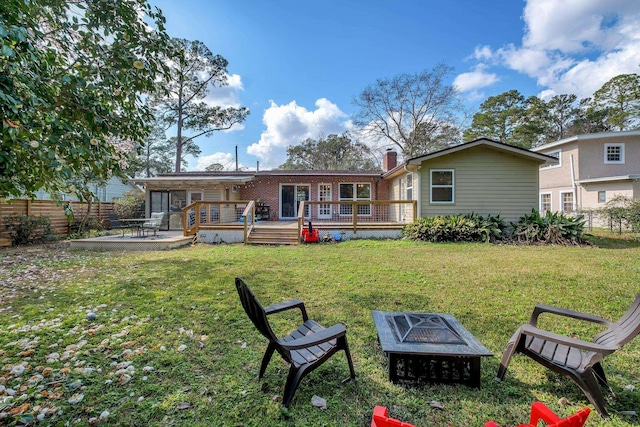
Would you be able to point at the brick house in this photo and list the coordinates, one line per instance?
(481, 176)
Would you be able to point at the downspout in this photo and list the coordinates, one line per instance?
(416, 189)
(573, 183)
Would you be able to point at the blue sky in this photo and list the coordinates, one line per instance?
(297, 65)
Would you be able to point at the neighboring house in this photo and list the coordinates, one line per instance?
(113, 190)
(482, 176)
(592, 169)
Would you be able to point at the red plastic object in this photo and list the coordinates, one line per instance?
(539, 412)
(310, 237)
(381, 418)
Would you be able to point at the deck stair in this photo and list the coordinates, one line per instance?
(273, 236)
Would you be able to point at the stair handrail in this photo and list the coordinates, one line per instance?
(249, 211)
(300, 218)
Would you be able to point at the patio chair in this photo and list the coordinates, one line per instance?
(577, 359)
(115, 224)
(154, 223)
(304, 349)
(381, 418)
(540, 412)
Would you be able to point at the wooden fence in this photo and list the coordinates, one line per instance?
(49, 208)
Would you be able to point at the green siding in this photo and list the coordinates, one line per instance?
(487, 181)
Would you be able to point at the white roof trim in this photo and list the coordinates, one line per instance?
(211, 179)
(587, 137)
(609, 179)
(543, 158)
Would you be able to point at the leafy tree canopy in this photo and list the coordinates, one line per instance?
(511, 119)
(619, 100)
(194, 70)
(71, 82)
(336, 152)
(498, 118)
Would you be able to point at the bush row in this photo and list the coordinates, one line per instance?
(533, 228)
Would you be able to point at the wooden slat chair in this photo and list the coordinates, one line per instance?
(304, 349)
(540, 412)
(572, 357)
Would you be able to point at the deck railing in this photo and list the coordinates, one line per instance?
(208, 213)
(242, 213)
(367, 213)
(249, 218)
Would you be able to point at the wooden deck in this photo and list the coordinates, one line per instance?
(261, 232)
(164, 240)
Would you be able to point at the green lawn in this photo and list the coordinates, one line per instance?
(171, 344)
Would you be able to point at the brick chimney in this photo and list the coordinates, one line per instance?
(389, 160)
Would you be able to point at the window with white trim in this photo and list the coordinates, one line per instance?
(602, 197)
(357, 192)
(566, 201)
(558, 155)
(614, 153)
(409, 189)
(441, 186)
(545, 202)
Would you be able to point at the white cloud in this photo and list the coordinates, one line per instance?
(483, 53)
(225, 159)
(226, 96)
(474, 80)
(573, 46)
(289, 124)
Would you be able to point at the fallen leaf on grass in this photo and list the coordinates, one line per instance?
(436, 404)
(19, 410)
(76, 398)
(184, 405)
(319, 402)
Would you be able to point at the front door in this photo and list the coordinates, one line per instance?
(290, 197)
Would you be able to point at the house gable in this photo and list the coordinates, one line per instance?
(486, 180)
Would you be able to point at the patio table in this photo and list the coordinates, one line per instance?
(135, 224)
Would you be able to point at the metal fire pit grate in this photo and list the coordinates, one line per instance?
(423, 328)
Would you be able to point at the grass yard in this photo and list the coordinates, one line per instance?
(171, 345)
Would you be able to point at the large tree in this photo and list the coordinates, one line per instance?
(336, 152)
(412, 111)
(71, 82)
(194, 70)
(499, 118)
(620, 99)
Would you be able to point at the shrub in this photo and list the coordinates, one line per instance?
(28, 229)
(130, 205)
(552, 228)
(624, 211)
(456, 228)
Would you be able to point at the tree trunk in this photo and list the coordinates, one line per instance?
(179, 135)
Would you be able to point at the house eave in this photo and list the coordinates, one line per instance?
(517, 151)
(585, 137)
(192, 179)
(604, 179)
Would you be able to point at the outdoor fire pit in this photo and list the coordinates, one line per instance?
(429, 347)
